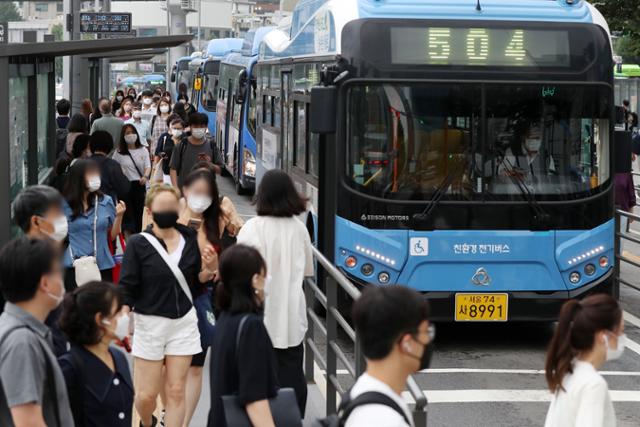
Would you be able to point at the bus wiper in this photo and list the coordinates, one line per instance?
(441, 190)
(541, 218)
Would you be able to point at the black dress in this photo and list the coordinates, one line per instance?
(250, 374)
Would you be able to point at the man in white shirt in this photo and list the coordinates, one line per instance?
(393, 327)
(148, 111)
(143, 127)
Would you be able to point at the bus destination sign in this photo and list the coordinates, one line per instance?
(117, 23)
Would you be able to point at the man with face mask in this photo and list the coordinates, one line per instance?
(142, 126)
(396, 336)
(148, 110)
(108, 122)
(34, 391)
(193, 149)
(528, 162)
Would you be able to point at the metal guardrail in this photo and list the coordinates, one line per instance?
(624, 235)
(334, 280)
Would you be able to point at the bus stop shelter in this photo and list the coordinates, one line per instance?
(27, 115)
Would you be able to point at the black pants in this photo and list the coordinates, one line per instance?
(135, 205)
(70, 278)
(291, 373)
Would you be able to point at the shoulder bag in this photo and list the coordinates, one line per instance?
(86, 267)
(182, 281)
(284, 406)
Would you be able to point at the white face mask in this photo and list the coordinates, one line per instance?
(127, 108)
(131, 138)
(60, 228)
(198, 133)
(164, 108)
(121, 330)
(136, 114)
(533, 144)
(615, 353)
(147, 101)
(119, 98)
(198, 203)
(176, 132)
(58, 298)
(93, 183)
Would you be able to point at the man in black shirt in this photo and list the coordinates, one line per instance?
(113, 181)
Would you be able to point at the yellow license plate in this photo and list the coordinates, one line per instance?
(482, 307)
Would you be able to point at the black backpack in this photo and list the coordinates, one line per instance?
(347, 406)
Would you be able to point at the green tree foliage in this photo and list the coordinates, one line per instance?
(9, 12)
(623, 16)
(57, 31)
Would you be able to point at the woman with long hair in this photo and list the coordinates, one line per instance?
(284, 243)
(136, 166)
(162, 272)
(97, 375)
(126, 109)
(590, 332)
(87, 110)
(89, 214)
(217, 223)
(243, 363)
(159, 124)
(77, 126)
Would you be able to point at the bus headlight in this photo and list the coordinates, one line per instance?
(248, 164)
(574, 277)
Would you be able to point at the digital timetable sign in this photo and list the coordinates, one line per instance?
(478, 46)
(117, 23)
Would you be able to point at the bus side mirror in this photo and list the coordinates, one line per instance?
(622, 150)
(242, 87)
(173, 74)
(322, 112)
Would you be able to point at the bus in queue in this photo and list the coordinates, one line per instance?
(472, 148)
(205, 87)
(153, 81)
(182, 75)
(235, 111)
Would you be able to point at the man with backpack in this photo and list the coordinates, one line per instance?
(395, 334)
(193, 149)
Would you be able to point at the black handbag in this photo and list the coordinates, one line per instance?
(284, 406)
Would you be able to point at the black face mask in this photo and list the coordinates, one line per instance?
(425, 360)
(165, 220)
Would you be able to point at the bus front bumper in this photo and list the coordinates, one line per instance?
(524, 306)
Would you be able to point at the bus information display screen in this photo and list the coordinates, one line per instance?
(501, 47)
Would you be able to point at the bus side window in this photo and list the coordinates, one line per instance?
(313, 152)
(300, 135)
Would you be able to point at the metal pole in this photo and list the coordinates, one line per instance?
(168, 68)
(105, 64)
(199, 21)
(617, 253)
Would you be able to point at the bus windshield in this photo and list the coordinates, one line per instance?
(409, 142)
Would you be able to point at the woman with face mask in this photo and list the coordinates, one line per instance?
(159, 123)
(165, 144)
(136, 166)
(92, 218)
(590, 332)
(243, 363)
(162, 273)
(126, 109)
(217, 223)
(117, 99)
(97, 375)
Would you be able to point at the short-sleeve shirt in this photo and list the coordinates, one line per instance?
(186, 156)
(375, 414)
(165, 146)
(250, 373)
(159, 127)
(24, 355)
(106, 396)
(285, 245)
(133, 166)
(81, 233)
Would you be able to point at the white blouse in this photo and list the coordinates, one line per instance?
(584, 402)
(140, 156)
(285, 245)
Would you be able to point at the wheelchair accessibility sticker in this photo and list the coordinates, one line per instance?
(419, 246)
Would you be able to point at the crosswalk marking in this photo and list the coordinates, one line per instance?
(523, 396)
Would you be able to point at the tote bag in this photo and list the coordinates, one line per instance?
(86, 267)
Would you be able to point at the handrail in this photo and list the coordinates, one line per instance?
(620, 236)
(334, 279)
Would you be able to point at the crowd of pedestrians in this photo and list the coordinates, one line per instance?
(132, 248)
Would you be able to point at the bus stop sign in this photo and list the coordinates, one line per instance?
(105, 22)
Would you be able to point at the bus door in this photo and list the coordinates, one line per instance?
(286, 134)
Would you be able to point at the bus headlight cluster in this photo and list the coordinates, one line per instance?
(574, 277)
(375, 255)
(384, 277)
(586, 255)
(248, 164)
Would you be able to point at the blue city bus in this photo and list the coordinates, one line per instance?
(182, 76)
(469, 147)
(205, 92)
(152, 81)
(235, 111)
